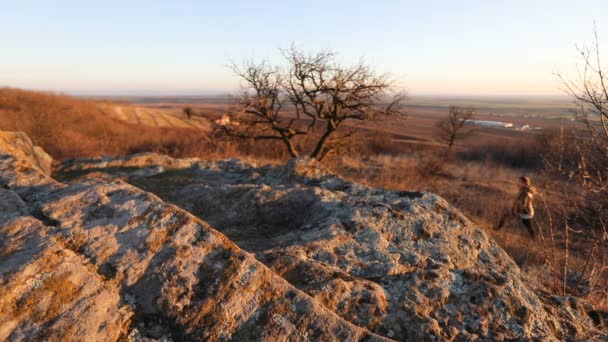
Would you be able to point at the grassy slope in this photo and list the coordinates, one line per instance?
(68, 127)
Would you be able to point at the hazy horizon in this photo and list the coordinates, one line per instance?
(182, 48)
(236, 90)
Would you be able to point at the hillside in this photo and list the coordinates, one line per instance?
(276, 253)
(71, 127)
(156, 117)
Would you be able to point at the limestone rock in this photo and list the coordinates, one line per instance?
(104, 260)
(20, 146)
(405, 265)
(48, 292)
(300, 255)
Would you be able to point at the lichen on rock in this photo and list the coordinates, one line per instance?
(104, 260)
(289, 253)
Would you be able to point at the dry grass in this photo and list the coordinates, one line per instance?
(484, 191)
(477, 178)
(68, 127)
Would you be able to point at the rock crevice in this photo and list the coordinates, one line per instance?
(289, 253)
(110, 261)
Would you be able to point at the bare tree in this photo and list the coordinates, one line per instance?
(580, 155)
(452, 128)
(313, 93)
(590, 95)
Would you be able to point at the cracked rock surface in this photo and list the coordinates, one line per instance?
(241, 252)
(103, 260)
(404, 265)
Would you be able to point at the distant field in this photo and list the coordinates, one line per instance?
(536, 106)
(171, 117)
(544, 107)
(423, 113)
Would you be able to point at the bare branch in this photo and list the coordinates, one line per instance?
(285, 104)
(452, 128)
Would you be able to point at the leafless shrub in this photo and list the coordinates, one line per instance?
(580, 157)
(432, 165)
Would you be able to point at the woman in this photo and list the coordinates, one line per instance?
(522, 208)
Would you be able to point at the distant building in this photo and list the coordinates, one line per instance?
(496, 124)
(225, 121)
(499, 124)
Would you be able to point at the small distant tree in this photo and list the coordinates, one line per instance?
(313, 93)
(188, 112)
(453, 128)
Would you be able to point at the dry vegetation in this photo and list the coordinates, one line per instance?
(68, 127)
(568, 256)
(476, 177)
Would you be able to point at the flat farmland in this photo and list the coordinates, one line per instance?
(419, 126)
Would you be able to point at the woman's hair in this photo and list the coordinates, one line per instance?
(526, 181)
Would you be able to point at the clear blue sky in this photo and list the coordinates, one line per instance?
(183, 47)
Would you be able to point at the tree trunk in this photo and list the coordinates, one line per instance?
(450, 143)
(328, 131)
(290, 148)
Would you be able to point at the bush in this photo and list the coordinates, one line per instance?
(523, 153)
(432, 166)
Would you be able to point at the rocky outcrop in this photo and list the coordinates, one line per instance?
(49, 292)
(98, 260)
(18, 144)
(300, 255)
(405, 265)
